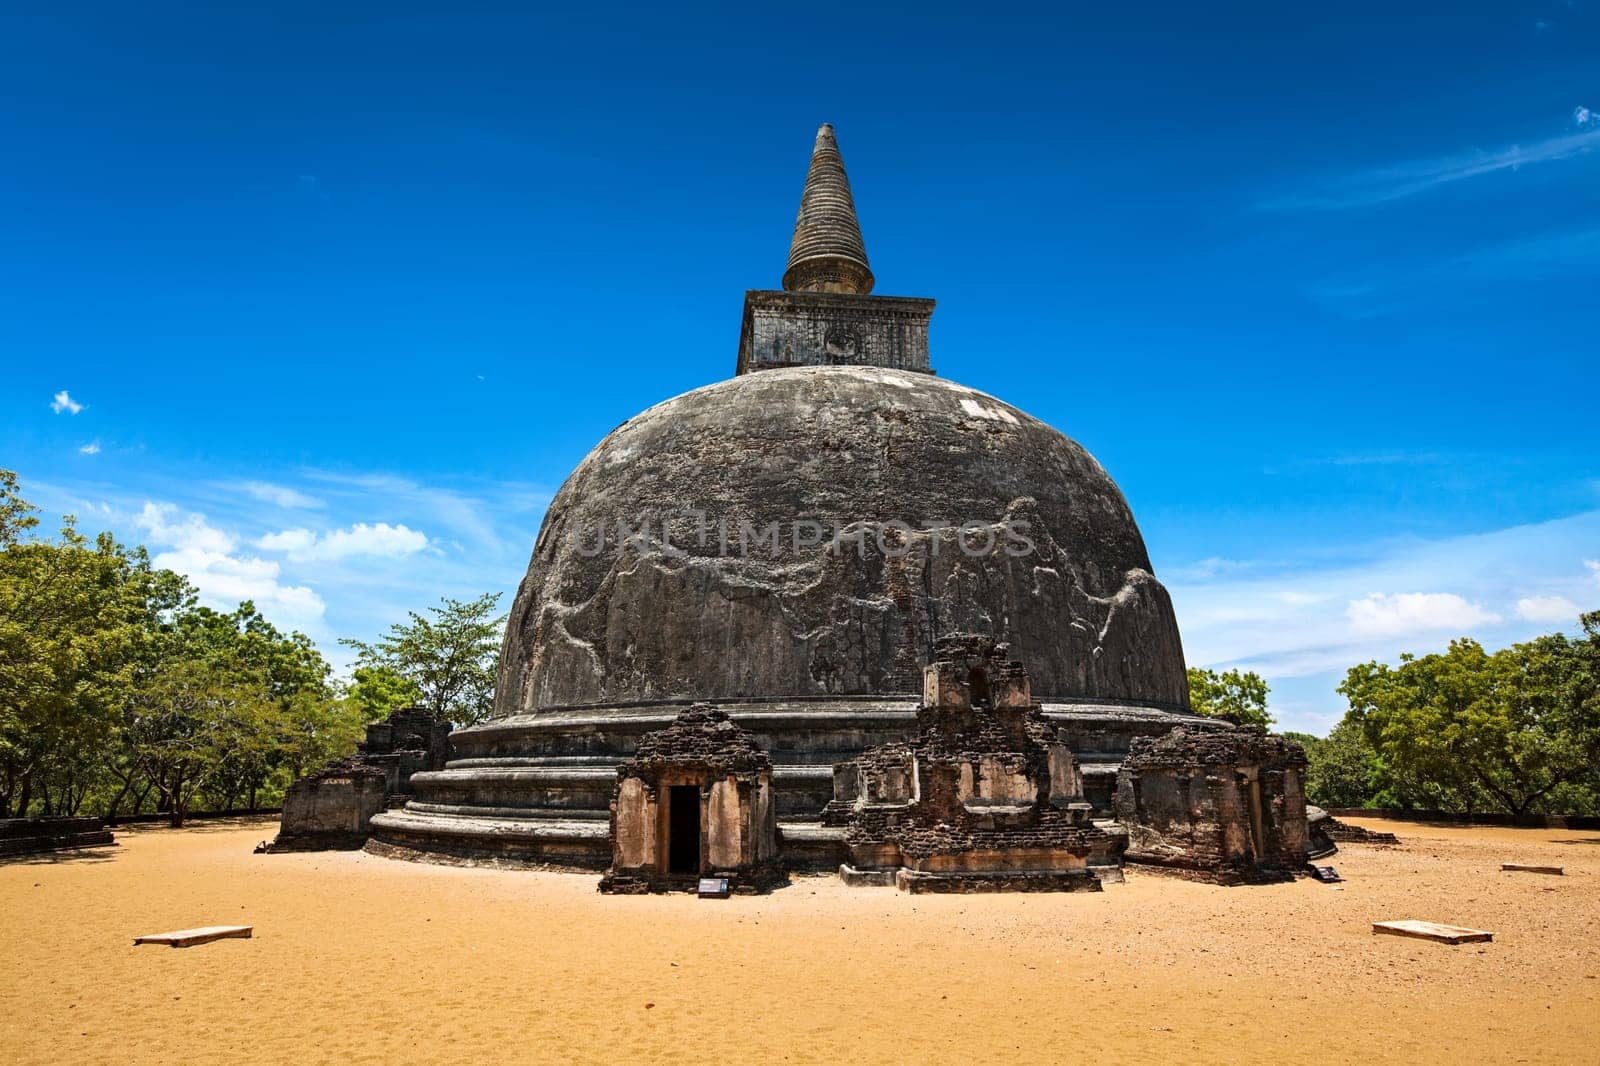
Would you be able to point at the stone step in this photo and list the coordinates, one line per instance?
(780, 757)
(409, 822)
(511, 773)
(582, 842)
(810, 831)
(461, 810)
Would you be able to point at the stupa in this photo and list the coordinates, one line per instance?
(787, 545)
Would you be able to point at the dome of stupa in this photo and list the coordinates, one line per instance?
(799, 532)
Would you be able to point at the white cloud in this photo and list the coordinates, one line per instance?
(205, 555)
(380, 540)
(189, 533)
(1409, 613)
(1547, 609)
(296, 541)
(1297, 620)
(63, 402)
(478, 534)
(281, 496)
(1289, 620)
(1582, 116)
(92, 448)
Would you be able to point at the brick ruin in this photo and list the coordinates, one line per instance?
(1345, 833)
(985, 798)
(29, 836)
(694, 801)
(333, 807)
(1228, 808)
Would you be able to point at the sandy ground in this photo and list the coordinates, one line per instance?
(359, 959)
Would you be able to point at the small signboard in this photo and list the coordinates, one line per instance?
(713, 888)
(1326, 874)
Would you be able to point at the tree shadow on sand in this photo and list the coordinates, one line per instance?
(96, 854)
(231, 824)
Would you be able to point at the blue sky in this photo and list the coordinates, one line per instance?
(324, 307)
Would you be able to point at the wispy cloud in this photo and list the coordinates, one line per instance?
(1302, 625)
(1377, 185)
(381, 545)
(280, 496)
(469, 516)
(62, 403)
(1394, 285)
(92, 448)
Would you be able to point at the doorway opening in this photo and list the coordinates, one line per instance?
(683, 829)
(978, 686)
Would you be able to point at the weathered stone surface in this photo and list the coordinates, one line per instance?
(705, 758)
(1345, 833)
(670, 613)
(28, 836)
(1227, 807)
(333, 808)
(827, 253)
(982, 799)
(782, 329)
(785, 544)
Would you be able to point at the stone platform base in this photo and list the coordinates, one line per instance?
(1226, 876)
(1345, 833)
(31, 836)
(331, 841)
(531, 843)
(633, 884)
(534, 790)
(867, 878)
(915, 881)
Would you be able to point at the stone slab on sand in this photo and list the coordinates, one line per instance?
(1530, 868)
(1444, 934)
(185, 938)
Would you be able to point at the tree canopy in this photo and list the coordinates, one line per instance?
(450, 657)
(1237, 694)
(118, 687)
(1468, 729)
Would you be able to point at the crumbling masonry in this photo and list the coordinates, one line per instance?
(1228, 808)
(333, 808)
(694, 801)
(985, 798)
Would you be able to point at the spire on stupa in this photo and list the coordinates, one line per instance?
(827, 254)
(825, 314)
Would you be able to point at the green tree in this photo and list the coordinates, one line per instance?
(1235, 693)
(376, 691)
(1467, 729)
(74, 613)
(231, 707)
(115, 684)
(452, 657)
(1341, 767)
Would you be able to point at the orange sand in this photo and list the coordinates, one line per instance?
(360, 959)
